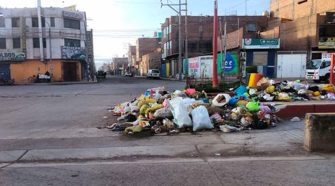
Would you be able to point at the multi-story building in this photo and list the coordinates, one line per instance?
(303, 25)
(150, 61)
(199, 34)
(57, 45)
(146, 46)
(132, 59)
(119, 65)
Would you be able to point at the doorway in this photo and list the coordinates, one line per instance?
(70, 71)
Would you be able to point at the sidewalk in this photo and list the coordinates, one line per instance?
(59, 83)
(286, 140)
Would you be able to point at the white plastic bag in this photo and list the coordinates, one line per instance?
(163, 113)
(180, 114)
(225, 99)
(201, 119)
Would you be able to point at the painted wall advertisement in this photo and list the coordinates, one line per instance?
(75, 53)
(201, 67)
(12, 56)
(231, 64)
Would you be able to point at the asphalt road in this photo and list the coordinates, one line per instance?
(230, 172)
(44, 128)
(59, 111)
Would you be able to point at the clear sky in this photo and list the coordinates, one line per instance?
(117, 23)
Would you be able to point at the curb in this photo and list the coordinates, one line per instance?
(300, 110)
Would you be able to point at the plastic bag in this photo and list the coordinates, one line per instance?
(180, 113)
(241, 90)
(221, 100)
(163, 113)
(201, 119)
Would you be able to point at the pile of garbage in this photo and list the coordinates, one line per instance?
(268, 91)
(243, 108)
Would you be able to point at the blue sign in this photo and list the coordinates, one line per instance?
(231, 64)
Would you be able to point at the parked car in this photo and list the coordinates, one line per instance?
(318, 70)
(153, 73)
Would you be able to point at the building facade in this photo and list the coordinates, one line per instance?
(63, 39)
(146, 47)
(150, 61)
(304, 25)
(199, 34)
(119, 66)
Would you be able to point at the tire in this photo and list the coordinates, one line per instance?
(326, 78)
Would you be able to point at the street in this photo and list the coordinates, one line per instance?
(55, 135)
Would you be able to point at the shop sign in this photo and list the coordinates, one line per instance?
(251, 43)
(326, 43)
(12, 56)
(72, 15)
(74, 53)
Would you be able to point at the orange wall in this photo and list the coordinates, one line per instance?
(20, 72)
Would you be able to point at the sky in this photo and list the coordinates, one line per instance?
(118, 23)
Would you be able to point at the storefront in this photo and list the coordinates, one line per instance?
(262, 53)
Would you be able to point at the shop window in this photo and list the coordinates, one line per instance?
(260, 58)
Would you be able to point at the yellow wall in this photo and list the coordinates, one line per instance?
(21, 72)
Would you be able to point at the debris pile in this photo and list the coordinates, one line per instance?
(244, 108)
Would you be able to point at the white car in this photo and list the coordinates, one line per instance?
(153, 73)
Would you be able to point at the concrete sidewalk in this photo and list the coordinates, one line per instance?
(284, 140)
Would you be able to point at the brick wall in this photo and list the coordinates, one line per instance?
(145, 46)
(150, 61)
(200, 31)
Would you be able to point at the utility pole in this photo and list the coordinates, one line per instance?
(186, 36)
(215, 45)
(39, 15)
(179, 13)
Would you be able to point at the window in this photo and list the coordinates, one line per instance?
(251, 27)
(16, 43)
(15, 22)
(72, 42)
(2, 22)
(52, 21)
(34, 22)
(2, 43)
(36, 43)
(71, 23)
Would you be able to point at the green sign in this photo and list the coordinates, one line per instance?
(260, 43)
